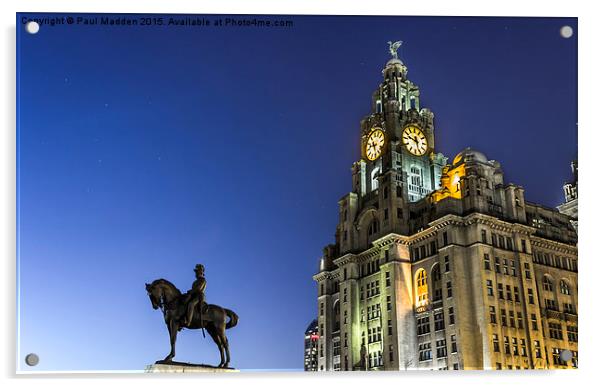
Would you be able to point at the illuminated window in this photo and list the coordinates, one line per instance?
(556, 357)
(456, 182)
(523, 347)
(415, 176)
(374, 179)
(421, 288)
(537, 346)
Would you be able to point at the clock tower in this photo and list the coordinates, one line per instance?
(422, 244)
(397, 139)
(398, 165)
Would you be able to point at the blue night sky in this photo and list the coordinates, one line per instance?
(145, 150)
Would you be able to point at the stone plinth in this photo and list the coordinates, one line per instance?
(177, 367)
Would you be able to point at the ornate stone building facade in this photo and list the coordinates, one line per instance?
(437, 263)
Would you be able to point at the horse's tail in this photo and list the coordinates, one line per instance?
(233, 318)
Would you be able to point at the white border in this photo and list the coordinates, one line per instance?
(589, 137)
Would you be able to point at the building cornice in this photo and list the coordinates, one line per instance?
(498, 224)
(559, 247)
(434, 227)
(323, 275)
(342, 260)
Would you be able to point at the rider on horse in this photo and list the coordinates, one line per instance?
(196, 295)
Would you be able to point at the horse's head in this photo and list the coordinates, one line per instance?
(154, 293)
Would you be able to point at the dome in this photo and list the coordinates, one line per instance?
(469, 155)
(394, 61)
(395, 66)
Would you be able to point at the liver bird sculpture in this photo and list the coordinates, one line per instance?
(393, 47)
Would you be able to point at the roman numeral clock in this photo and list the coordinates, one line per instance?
(414, 140)
(375, 144)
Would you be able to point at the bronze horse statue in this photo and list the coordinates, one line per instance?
(163, 294)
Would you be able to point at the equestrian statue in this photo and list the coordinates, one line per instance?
(190, 311)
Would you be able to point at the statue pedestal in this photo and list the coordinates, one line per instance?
(177, 367)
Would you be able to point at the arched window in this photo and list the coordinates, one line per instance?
(456, 182)
(547, 284)
(564, 287)
(337, 317)
(422, 290)
(374, 176)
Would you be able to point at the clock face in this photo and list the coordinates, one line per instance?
(414, 140)
(375, 144)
